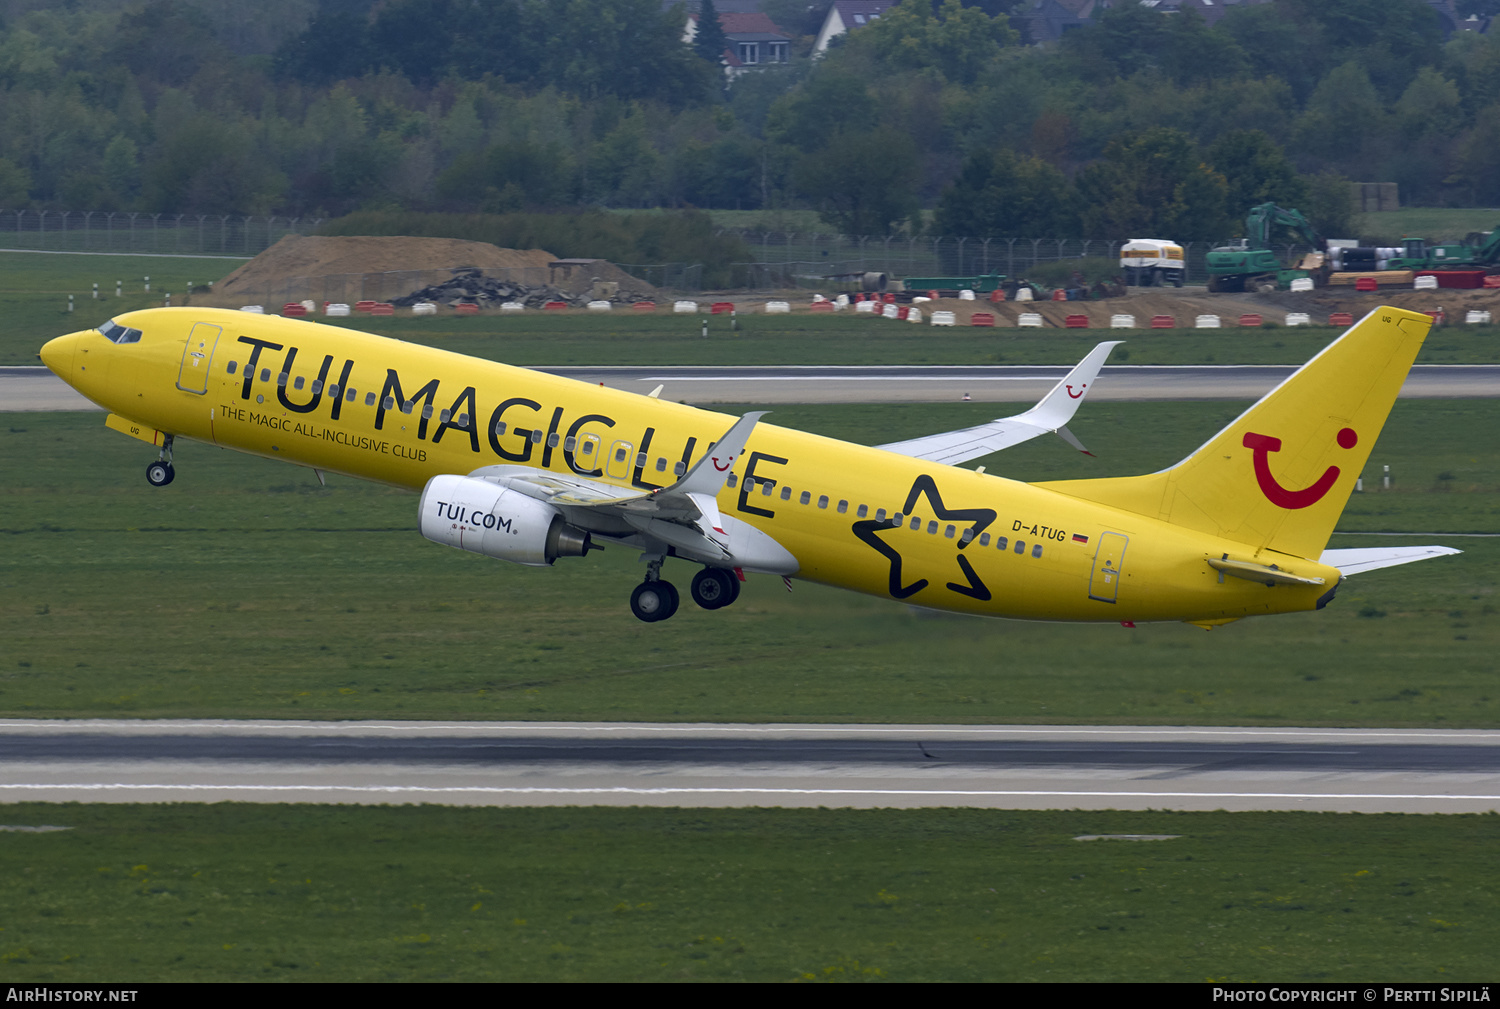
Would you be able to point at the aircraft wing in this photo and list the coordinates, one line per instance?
(1358, 561)
(684, 515)
(1050, 415)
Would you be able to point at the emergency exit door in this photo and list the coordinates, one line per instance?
(1109, 557)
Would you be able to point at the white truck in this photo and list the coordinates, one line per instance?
(1152, 262)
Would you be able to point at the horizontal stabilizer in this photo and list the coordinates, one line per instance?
(1360, 560)
(1051, 414)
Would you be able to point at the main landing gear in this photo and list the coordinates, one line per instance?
(654, 599)
(160, 473)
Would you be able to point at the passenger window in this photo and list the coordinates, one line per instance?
(553, 440)
(984, 539)
(749, 483)
(298, 383)
(862, 511)
(661, 465)
(949, 531)
(317, 386)
(619, 455)
(369, 399)
(806, 497)
(679, 468)
(536, 436)
(500, 427)
(390, 403)
(916, 524)
(570, 444)
(966, 538)
(463, 420)
(1020, 547)
(333, 390)
(843, 507)
(1001, 542)
(265, 374)
(932, 529)
(588, 448)
(349, 396)
(767, 486)
(1036, 551)
(427, 411)
(640, 459)
(444, 416)
(786, 493)
(408, 406)
(732, 480)
(879, 514)
(281, 379)
(823, 501)
(232, 365)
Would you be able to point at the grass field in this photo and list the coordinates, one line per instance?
(246, 590)
(33, 307)
(299, 893)
(1431, 223)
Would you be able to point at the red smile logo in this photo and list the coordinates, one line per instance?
(727, 464)
(1263, 445)
(1079, 393)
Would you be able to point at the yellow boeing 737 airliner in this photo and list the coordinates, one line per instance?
(529, 467)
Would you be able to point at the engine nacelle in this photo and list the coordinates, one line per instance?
(485, 518)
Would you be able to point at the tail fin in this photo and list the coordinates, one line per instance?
(1279, 476)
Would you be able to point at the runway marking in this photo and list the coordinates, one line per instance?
(624, 790)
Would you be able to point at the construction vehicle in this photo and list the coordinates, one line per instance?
(1152, 262)
(1250, 265)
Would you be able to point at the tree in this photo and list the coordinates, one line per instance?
(998, 194)
(1256, 171)
(954, 42)
(1154, 184)
(709, 41)
(864, 181)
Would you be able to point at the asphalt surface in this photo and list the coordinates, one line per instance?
(512, 764)
(35, 388)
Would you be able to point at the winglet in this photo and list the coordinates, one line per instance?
(1058, 406)
(709, 473)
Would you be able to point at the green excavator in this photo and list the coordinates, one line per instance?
(1250, 265)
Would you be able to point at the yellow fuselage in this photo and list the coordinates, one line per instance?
(261, 384)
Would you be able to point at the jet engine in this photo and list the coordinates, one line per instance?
(485, 518)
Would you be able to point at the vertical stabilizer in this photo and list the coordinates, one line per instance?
(1280, 474)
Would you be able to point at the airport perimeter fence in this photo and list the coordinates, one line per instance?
(828, 260)
(129, 232)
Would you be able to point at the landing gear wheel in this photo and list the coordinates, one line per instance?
(714, 588)
(159, 473)
(653, 601)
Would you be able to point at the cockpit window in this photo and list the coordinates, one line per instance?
(116, 333)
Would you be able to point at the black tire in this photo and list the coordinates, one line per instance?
(715, 588)
(1177, 278)
(653, 601)
(159, 474)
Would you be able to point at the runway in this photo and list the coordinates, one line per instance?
(35, 388)
(863, 766)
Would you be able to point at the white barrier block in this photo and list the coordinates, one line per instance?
(1122, 322)
(774, 307)
(842, 301)
(1474, 315)
(1302, 284)
(1030, 320)
(684, 306)
(944, 319)
(920, 300)
(1208, 322)
(1427, 283)
(891, 312)
(914, 315)
(1298, 319)
(512, 306)
(600, 306)
(1023, 294)
(864, 306)
(310, 305)
(966, 295)
(337, 309)
(257, 309)
(424, 308)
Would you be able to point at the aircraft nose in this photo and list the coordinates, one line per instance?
(57, 354)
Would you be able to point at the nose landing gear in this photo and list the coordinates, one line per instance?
(160, 473)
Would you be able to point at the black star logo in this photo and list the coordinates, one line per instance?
(978, 519)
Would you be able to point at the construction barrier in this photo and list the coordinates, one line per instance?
(1298, 319)
(1076, 322)
(890, 299)
(1341, 319)
(944, 319)
(1425, 282)
(778, 307)
(363, 306)
(1474, 315)
(555, 306)
(1029, 320)
(1023, 294)
(294, 309)
(824, 306)
(643, 306)
(984, 319)
(914, 315)
(721, 308)
(382, 308)
(1492, 282)
(253, 309)
(1163, 322)
(865, 306)
(890, 312)
(1059, 295)
(1251, 319)
(511, 306)
(1302, 284)
(337, 310)
(424, 308)
(600, 306)
(997, 296)
(1366, 284)
(966, 295)
(1122, 322)
(839, 303)
(1439, 317)
(1207, 322)
(684, 306)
